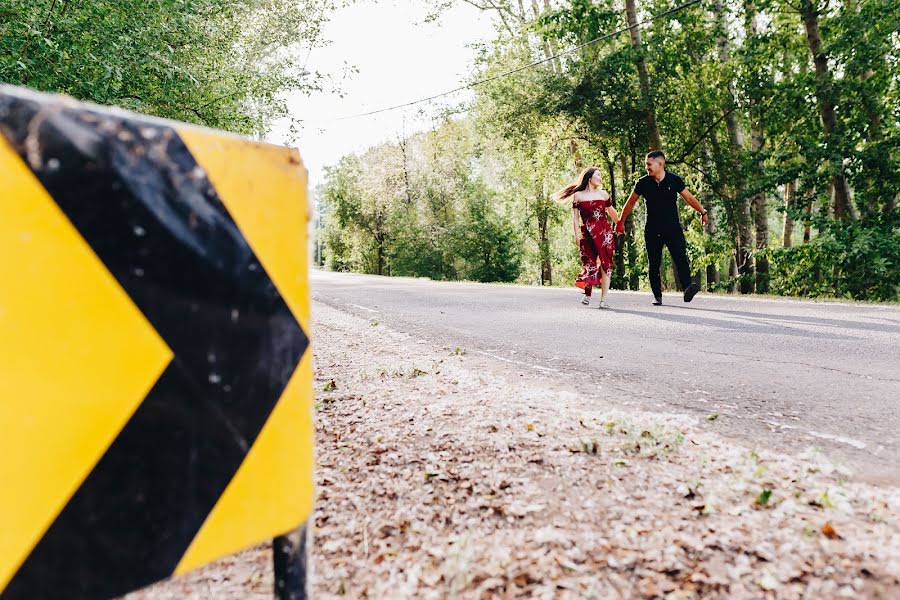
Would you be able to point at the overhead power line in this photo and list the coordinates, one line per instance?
(524, 67)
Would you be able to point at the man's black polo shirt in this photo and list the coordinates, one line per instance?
(661, 199)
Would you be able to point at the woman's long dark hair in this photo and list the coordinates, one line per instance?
(579, 185)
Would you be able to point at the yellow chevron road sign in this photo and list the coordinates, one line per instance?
(155, 374)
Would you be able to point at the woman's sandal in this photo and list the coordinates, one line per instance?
(585, 301)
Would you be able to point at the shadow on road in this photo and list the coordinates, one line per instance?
(765, 324)
(818, 321)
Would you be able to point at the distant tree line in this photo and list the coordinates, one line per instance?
(781, 115)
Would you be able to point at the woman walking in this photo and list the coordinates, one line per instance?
(594, 237)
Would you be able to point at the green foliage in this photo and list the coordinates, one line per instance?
(419, 208)
(416, 253)
(739, 104)
(221, 63)
(487, 243)
(858, 260)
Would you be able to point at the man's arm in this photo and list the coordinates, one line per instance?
(695, 204)
(626, 210)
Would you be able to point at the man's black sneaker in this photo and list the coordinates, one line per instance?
(657, 301)
(691, 291)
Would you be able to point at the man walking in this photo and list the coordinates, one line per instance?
(660, 190)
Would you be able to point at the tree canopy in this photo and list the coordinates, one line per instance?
(781, 115)
(220, 63)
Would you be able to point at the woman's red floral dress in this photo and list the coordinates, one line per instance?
(598, 244)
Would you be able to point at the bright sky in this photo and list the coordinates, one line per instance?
(400, 58)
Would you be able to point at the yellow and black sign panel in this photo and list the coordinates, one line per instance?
(155, 374)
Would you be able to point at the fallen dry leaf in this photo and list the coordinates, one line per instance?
(435, 480)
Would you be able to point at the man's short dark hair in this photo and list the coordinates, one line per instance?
(656, 154)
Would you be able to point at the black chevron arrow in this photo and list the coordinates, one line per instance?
(149, 212)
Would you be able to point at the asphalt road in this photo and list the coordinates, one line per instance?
(780, 374)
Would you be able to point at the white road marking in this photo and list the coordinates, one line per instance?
(371, 310)
(516, 362)
(823, 436)
(837, 438)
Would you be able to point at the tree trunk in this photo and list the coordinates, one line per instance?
(675, 277)
(787, 234)
(824, 95)
(643, 76)
(543, 212)
(712, 272)
(745, 256)
(634, 277)
(632, 152)
(557, 66)
(402, 143)
(734, 130)
(522, 15)
(761, 261)
(548, 51)
(743, 218)
(760, 203)
(732, 274)
(761, 223)
(573, 152)
(611, 172)
(872, 105)
(871, 102)
(807, 221)
(619, 276)
(546, 267)
(379, 250)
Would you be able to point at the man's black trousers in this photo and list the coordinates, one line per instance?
(673, 239)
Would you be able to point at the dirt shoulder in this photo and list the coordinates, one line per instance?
(442, 473)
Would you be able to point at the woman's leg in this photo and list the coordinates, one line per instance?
(605, 287)
(587, 295)
(588, 262)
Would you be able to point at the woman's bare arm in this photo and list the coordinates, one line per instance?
(611, 211)
(575, 225)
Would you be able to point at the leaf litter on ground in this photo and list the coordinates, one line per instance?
(458, 499)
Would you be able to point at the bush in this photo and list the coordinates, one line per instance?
(486, 243)
(849, 259)
(418, 252)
